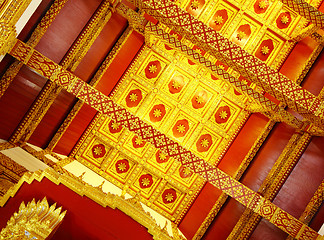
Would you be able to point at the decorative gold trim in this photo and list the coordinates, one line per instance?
(37, 34)
(272, 184)
(93, 82)
(130, 207)
(239, 173)
(33, 221)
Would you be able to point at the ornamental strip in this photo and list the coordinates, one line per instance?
(307, 11)
(266, 104)
(215, 176)
(37, 34)
(250, 67)
(272, 184)
(93, 82)
(50, 92)
(239, 173)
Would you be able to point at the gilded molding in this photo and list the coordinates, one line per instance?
(11, 167)
(272, 184)
(312, 207)
(33, 221)
(93, 82)
(37, 34)
(14, 11)
(10, 173)
(239, 173)
(6, 145)
(38, 154)
(130, 207)
(50, 92)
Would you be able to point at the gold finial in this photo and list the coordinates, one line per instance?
(81, 176)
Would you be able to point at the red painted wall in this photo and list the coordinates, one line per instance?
(199, 210)
(225, 220)
(242, 143)
(85, 219)
(267, 155)
(17, 99)
(304, 179)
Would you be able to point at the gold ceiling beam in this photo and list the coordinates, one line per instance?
(37, 34)
(272, 184)
(264, 105)
(239, 173)
(247, 65)
(215, 176)
(312, 207)
(307, 11)
(93, 82)
(50, 91)
(307, 31)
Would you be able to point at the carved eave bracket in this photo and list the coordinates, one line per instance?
(33, 221)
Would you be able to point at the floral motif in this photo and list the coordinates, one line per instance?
(98, 151)
(114, 127)
(265, 50)
(180, 128)
(185, 172)
(145, 181)
(218, 20)
(222, 114)
(263, 4)
(122, 166)
(152, 69)
(199, 99)
(204, 143)
(157, 113)
(138, 142)
(240, 35)
(161, 157)
(176, 84)
(284, 19)
(169, 196)
(194, 4)
(133, 98)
